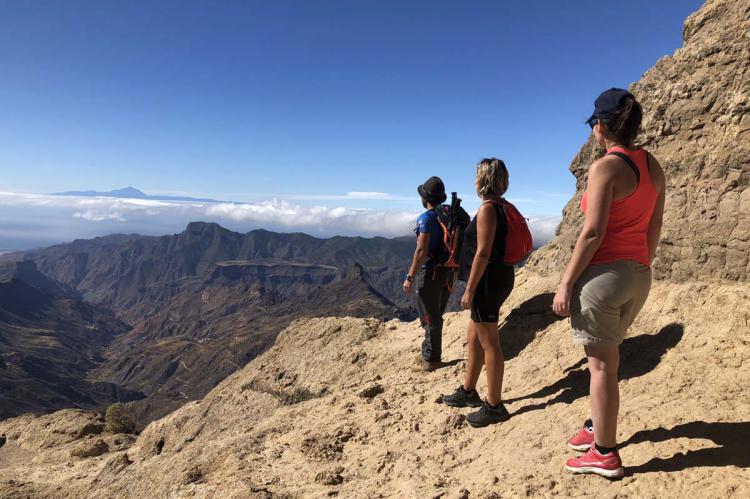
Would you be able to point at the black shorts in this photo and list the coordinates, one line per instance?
(493, 289)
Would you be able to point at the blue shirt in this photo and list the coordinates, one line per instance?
(427, 223)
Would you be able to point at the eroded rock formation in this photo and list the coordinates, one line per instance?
(696, 106)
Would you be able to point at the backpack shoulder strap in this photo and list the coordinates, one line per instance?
(630, 163)
(501, 206)
(497, 204)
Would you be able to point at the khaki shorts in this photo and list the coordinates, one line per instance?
(606, 299)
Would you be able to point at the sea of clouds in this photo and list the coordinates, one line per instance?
(37, 220)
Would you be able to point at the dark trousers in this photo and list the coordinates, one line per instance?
(432, 297)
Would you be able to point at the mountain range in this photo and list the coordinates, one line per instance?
(192, 308)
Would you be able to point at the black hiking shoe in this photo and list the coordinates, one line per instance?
(462, 398)
(487, 415)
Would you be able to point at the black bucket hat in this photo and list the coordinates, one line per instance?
(608, 103)
(433, 191)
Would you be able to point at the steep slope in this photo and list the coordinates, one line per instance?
(206, 331)
(50, 341)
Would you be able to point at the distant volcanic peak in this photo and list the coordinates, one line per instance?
(125, 192)
(130, 192)
(133, 193)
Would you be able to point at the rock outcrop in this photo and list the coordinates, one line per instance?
(697, 124)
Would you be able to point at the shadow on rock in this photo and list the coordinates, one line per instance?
(638, 356)
(525, 322)
(450, 363)
(732, 440)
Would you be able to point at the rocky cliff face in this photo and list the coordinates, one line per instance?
(697, 124)
(334, 407)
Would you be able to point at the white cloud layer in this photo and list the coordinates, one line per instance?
(332, 220)
(543, 229)
(349, 196)
(99, 216)
(32, 220)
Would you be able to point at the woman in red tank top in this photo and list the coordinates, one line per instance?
(608, 278)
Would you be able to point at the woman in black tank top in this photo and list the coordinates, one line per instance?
(489, 281)
(469, 248)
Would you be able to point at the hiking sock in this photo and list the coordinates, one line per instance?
(467, 392)
(494, 406)
(604, 450)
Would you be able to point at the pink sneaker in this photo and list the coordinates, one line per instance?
(608, 465)
(584, 439)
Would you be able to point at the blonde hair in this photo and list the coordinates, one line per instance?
(492, 177)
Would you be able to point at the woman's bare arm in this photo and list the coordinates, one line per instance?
(600, 192)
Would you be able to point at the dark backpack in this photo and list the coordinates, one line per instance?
(453, 220)
(518, 242)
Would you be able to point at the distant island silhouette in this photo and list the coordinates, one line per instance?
(133, 193)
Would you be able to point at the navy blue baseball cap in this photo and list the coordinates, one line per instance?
(608, 103)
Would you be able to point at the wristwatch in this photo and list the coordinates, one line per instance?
(409, 278)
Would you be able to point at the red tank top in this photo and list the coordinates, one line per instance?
(627, 229)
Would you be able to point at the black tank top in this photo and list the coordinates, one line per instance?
(469, 249)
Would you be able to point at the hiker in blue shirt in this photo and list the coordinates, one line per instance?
(431, 280)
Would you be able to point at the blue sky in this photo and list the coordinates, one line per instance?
(307, 101)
